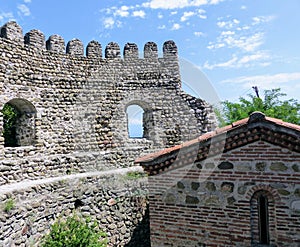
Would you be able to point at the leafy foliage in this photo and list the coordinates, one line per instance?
(75, 231)
(135, 175)
(10, 117)
(271, 105)
(9, 205)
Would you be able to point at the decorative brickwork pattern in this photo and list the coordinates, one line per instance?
(244, 194)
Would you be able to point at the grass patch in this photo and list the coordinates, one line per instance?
(135, 175)
(9, 205)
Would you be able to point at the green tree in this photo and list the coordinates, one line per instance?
(75, 231)
(271, 105)
(10, 117)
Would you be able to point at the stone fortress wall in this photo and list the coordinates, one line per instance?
(73, 124)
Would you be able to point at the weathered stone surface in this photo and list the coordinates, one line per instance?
(212, 200)
(195, 185)
(191, 200)
(180, 185)
(283, 192)
(296, 168)
(73, 121)
(170, 198)
(211, 186)
(231, 200)
(227, 187)
(296, 205)
(225, 165)
(278, 166)
(242, 190)
(199, 166)
(44, 204)
(260, 166)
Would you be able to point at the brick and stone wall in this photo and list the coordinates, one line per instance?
(236, 186)
(209, 203)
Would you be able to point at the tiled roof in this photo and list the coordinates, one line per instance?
(254, 128)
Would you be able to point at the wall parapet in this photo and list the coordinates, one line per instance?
(55, 43)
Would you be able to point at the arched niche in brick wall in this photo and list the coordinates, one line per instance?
(19, 123)
(263, 226)
(139, 120)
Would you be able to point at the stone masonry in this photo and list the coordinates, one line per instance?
(72, 133)
(236, 186)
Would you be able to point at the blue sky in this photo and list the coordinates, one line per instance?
(237, 44)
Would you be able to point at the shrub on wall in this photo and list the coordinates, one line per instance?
(10, 117)
(75, 231)
(9, 205)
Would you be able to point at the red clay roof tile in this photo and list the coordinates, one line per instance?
(254, 117)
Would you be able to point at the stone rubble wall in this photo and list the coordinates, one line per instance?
(76, 107)
(81, 102)
(118, 203)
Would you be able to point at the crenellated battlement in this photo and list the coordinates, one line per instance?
(55, 43)
(60, 80)
(73, 109)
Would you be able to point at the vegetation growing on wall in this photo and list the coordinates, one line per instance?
(75, 231)
(9, 205)
(10, 117)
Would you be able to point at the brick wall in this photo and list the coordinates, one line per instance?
(214, 202)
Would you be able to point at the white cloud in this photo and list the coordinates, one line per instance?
(246, 43)
(186, 15)
(275, 78)
(257, 59)
(243, 7)
(262, 19)
(227, 33)
(177, 4)
(174, 13)
(162, 27)
(288, 82)
(228, 64)
(176, 26)
(198, 34)
(247, 37)
(139, 13)
(215, 2)
(228, 24)
(201, 13)
(6, 16)
(160, 16)
(123, 11)
(27, 1)
(221, 24)
(254, 57)
(215, 46)
(235, 21)
(237, 38)
(109, 22)
(24, 10)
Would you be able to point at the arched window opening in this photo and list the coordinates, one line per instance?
(263, 219)
(135, 121)
(18, 123)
